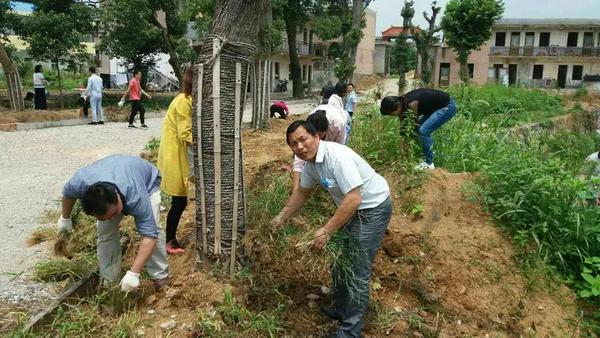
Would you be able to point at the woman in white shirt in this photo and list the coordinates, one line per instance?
(39, 88)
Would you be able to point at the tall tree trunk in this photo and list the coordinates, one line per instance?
(60, 85)
(170, 46)
(356, 20)
(296, 71)
(15, 92)
(260, 114)
(464, 72)
(224, 61)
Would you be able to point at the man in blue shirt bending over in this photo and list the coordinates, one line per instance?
(108, 189)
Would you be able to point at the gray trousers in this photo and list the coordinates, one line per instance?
(351, 286)
(109, 247)
(96, 105)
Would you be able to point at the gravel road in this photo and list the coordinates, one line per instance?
(34, 166)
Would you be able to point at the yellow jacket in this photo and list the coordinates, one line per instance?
(172, 153)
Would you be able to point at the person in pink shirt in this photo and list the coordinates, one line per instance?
(135, 92)
(280, 108)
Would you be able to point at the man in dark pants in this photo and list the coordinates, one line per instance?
(432, 109)
(363, 214)
(135, 92)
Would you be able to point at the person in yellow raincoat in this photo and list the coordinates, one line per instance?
(174, 158)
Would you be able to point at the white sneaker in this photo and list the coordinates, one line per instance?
(424, 166)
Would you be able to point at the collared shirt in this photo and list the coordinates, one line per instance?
(336, 132)
(351, 101)
(339, 169)
(94, 86)
(594, 158)
(136, 180)
(135, 93)
(38, 80)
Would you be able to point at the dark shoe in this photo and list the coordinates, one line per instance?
(93, 123)
(144, 126)
(101, 122)
(131, 126)
(160, 284)
(330, 313)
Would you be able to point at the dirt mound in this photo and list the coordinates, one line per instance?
(37, 115)
(444, 269)
(452, 261)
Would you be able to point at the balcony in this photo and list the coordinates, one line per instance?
(302, 48)
(545, 51)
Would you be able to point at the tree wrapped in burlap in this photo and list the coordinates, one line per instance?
(224, 63)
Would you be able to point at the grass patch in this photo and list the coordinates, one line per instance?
(231, 319)
(42, 234)
(62, 268)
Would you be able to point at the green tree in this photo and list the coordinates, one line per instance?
(425, 40)
(467, 24)
(402, 47)
(8, 21)
(56, 31)
(137, 30)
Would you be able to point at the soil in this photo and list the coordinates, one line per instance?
(446, 271)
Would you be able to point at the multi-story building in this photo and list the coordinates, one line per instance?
(529, 52)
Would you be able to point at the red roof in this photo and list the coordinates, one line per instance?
(395, 31)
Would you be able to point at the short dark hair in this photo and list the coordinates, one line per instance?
(136, 71)
(350, 84)
(340, 88)
(327, 91)
(389, 104)
(37, 69)
(92, 69)
(319, 120)
(295, 125)
(98, 197)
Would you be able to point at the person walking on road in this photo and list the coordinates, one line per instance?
(432, 108)
(175, 157)
(39, 89)
(108, 189)
(93, 93)
(135, 92)
(364, 210)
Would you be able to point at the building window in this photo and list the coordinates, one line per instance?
(577, 73)
(544, 39)
(276, 70)
(305, 36)
(471, 67)
(538, 72)
(304, 68)
(572, 39)
(500, 39)
(309, 73)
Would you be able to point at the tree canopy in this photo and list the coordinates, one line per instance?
(467, 24)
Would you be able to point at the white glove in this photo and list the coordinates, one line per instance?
(121, 103)
(64, 225)
(130, 281)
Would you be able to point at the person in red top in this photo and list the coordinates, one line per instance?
(135, 92)
(280, 108)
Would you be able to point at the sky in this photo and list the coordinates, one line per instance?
(388, 11)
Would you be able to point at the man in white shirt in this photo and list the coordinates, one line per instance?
(93, 92)
(330, 124)
(363, 214)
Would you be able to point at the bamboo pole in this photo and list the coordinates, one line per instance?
(241, 152)
(200, 175)
(236, 164)
(217, 142)
(264, 95)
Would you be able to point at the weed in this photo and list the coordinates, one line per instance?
(153, 144)
(219, 321)
(62, 268)
(40, 235)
